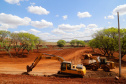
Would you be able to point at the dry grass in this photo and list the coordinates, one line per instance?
(53, 43)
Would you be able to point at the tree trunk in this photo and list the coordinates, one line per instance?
(28, 51)
(9, 53)
(37, 48)
(18, 50)
(7, 49)
(23, 51)
(93, 49)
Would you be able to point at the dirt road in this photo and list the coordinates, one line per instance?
(17, 65)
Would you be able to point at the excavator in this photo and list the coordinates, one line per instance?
(66, 67)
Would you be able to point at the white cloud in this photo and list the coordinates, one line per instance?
(92, 26)
(57, 15)
(34, 31)
(83, 14)
(109, 17)
(110, 26)
(4, 27)
(41, 24)
(44, 34)
(58, 34)
(58, 31)
(12, 21)
(64, 17)
(23, 31)
(105, 17)
(68, 27)
(121, 9)
(14, 1)
(80, 35)
(37, 10)
(16, 32)
(32, 3)
(90, 31)
(109, 22)
(97, 29)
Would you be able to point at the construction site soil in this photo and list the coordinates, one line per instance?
(13, 69)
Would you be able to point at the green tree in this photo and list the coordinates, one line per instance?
(82, 43)
(61, 43)
(106, 41)
(123, 42)
(5, 41)
(94, 44)
(16, 42)
(28, 41)
(40, 42)
(72, 42)
(78, 43)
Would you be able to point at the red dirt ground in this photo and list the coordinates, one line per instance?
(12, 68)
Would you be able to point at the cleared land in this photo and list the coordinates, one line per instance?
(12, 69)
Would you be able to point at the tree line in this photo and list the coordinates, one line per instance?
(73, 43)
(106, 41)
(18, 41)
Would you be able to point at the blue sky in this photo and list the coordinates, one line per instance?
(53, 20)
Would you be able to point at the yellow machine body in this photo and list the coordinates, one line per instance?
(67, 67)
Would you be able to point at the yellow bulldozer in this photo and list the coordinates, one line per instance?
(96, 62)
(66, 67)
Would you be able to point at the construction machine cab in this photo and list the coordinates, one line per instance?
(106, 65)
(103, 60)
(65, 66)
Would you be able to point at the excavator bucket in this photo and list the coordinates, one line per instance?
(28, 68)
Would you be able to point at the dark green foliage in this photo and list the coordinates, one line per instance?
(123, 42)
(28, 41)
(61, 43)
(76, 42)
(18, 41)
(5, 42)
(82, 43)
(107, 41)
(72, 42)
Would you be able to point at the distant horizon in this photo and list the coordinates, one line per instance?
(66, 41)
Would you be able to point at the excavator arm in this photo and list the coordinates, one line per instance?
(43, 56)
